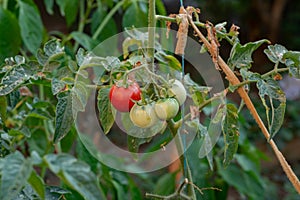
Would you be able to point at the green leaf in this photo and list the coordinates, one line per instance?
(246, 183)
(169, 60)
(231, 133)
(51, 56)
(37, 184)
(135, 16)
(17, 76)
(54, 192)
(198, 93)
(14, 175)
(108, 30)
(31, 25)
(247, 163)
(80, 94)
(160, 7)
(57, 86)
(166, 184)
(241, 56)
(67, 143)
(38, 141)
(68, 9)
(24, 131)
(52, 48)
(64, 115)
(134, 143)
(49, 6)
(212, 134)
(206, 142)
(292, 61)
(40, 114)
(9, 35)
(84, 155)
(274, 101)
(275, 53)
(130, 42)
(106, 113)
(75, 174)
(3, 108)
(120, 191)
(135, 192)
(84, 40)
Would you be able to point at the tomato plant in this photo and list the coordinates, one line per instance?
(166, 109)
(47, 150)
(122, 98)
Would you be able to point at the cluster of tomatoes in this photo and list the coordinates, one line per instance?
(145, 115)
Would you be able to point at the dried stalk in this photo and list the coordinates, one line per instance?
(231, 77)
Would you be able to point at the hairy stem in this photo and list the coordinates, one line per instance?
(244, 95)
(151, 32)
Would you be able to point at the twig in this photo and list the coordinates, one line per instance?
(243, 94)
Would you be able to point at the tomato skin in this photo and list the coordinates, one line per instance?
(166, 109)
(178, 91)
(121, 97)
(143, 116)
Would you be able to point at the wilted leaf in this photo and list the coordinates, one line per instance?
(275, 53)
(17, 76)
(292, 61)
(241, 55)
(231, 133)
(274, 101)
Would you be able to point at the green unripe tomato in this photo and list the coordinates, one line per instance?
(178, 91)
(166, 109)
(143, 116)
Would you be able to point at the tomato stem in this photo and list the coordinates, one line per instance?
(151, 33)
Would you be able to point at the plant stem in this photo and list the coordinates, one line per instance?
(172, 19)
(179, 145)
(197, 23)
(151, 32)
(107, 18)
(244, 95)
(81, 21)
(275, 70)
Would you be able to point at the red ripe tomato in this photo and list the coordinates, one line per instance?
(121, 97)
